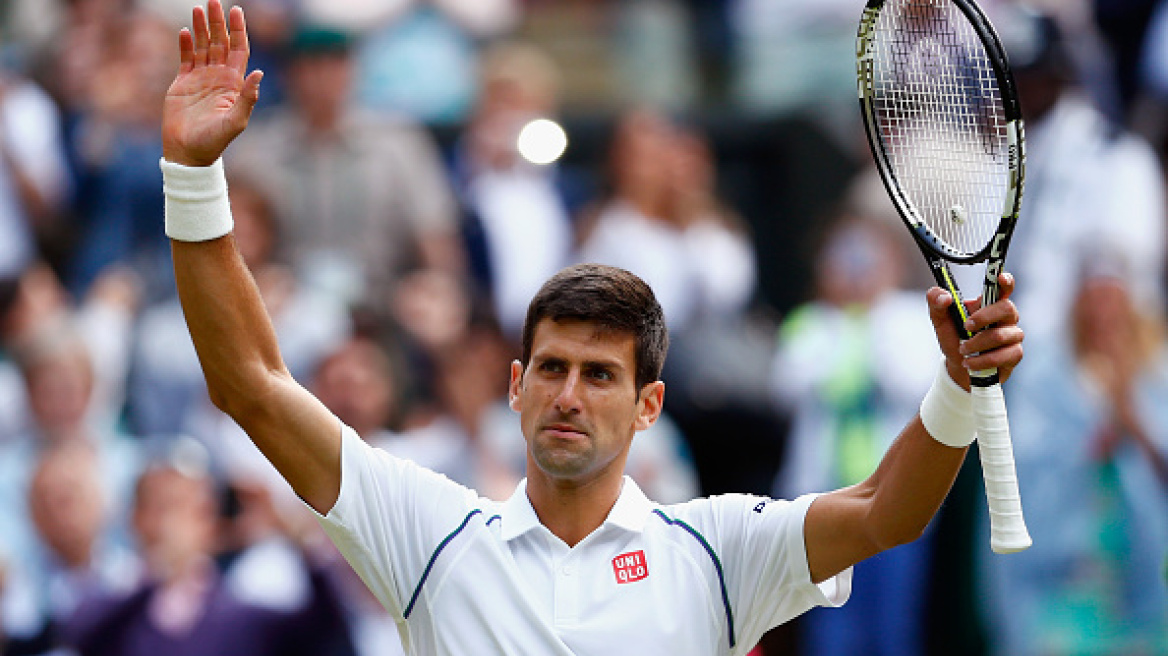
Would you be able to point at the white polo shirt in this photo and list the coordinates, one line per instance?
(466, 575)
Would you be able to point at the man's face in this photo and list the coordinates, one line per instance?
(320, 84)
(578, 401)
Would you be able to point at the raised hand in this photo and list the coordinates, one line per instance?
(998, 339)
(211, 99)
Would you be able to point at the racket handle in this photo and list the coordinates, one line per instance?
(1008, 532)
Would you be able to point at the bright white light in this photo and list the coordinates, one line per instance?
(542, 141)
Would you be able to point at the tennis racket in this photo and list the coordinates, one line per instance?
(942, 117)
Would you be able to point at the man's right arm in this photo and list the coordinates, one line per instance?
(245, 374)
(209, 104)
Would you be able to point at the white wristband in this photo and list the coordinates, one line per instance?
(196, 201)
(947, 411)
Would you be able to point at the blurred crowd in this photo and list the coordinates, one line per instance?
(396, 233)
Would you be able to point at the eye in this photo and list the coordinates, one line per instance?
(552, 366)
(602, 374)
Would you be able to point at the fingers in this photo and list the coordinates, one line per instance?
(993, 348)
(201, 36)
(998, 340)
(943, 315)
(1005, 284)
(186, 51)
(939, 301)
(240, 50)
(219, 38)
(1002, 311)
(241, 111)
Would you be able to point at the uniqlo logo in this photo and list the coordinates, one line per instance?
(630, 567)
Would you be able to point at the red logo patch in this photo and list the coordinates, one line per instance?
(630, 567)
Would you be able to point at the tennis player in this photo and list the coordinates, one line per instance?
(578, 560)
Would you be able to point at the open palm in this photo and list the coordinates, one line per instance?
(212, 96)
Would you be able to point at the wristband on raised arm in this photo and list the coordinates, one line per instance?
(196, 201)
(947, 411)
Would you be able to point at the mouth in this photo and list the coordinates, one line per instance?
(564, 431)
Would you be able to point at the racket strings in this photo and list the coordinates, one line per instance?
(939, 113)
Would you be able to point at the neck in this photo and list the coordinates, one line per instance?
(572, 510)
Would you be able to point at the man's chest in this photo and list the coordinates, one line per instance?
(618, 595)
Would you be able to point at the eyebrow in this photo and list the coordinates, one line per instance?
(595, 363)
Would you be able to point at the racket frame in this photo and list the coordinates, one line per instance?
(1008, 529)
(936, 251)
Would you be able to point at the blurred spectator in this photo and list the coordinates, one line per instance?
(516, 217)
(186, 607)
(117, 144)
(418, 57)
(1091, 448)
(12, 402)
(62, 380)
(28, 24)
(35, 182)
(615, 53)
(850, 369)
(1124, 23)
(655, 53)
(460, 370)
(356, 381)
(42, 328)
(70, 508)
(68, 56)
(1089, 184)
(664, 222)
(262, 546)
(794, 56)
(361, 198)
(1150, 112)
(167, 393)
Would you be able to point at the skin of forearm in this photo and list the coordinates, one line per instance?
(228, 324)
(910, 485)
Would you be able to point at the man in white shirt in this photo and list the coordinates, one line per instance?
(577, 561)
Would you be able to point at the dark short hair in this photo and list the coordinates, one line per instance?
(613, 299)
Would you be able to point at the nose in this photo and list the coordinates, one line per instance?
(567, 401)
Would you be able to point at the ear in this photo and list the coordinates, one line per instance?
(652, 398)
(514, 387)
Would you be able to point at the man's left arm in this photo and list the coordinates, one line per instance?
(895, 504)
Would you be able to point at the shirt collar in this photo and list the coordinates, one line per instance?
(631, 510)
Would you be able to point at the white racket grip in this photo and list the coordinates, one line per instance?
(1008, 532)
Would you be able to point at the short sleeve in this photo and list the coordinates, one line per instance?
(390, 517)
(764, 556)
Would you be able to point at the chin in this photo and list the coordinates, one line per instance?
(563, 463)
